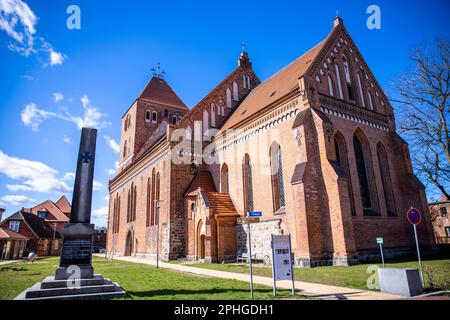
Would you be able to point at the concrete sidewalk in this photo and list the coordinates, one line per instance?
(312, 290)
(5, 262)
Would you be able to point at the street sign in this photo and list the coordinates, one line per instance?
(254, 214)
(380, 240)
(248, 220)
(414, 216)
(282, 264)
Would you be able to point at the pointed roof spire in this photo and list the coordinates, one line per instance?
(244, 60)
(338, 20)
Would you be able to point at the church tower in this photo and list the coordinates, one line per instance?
(156, 107)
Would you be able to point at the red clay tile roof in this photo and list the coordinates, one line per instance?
(158, 91)
(221, 203)
(39, 226)
(55, 213)
(64, 205)
(202, 180)
(11, 235)
(274, 88)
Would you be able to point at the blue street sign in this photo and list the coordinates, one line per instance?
(254, 214)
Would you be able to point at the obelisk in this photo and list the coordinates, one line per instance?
(76, 250)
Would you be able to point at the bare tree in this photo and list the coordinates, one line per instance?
(423, 95)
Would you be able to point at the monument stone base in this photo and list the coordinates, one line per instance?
(95, 288)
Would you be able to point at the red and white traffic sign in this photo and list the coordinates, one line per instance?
(414, 216)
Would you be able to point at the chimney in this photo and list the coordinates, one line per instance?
(1, 213)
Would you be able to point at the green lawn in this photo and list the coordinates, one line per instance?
(139, 280)
(436, 273)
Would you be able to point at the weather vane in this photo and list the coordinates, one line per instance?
(157, 71)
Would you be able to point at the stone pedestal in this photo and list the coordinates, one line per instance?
(404, 282)
(76, 253)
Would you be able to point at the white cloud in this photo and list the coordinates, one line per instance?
(112, 144)
(28, 77)
(17, 200)
(100, 216)
(69, 176)
(66, 139)
(97, 185)
(57, 97)
(19, 23)
(33, 116)
(106, 198)
(112, 172)
(56, 58)
(34, 176)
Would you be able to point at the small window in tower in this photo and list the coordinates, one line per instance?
(154, 117)
(147, 116)
(166, 113)
(443, 212)
(174, 120)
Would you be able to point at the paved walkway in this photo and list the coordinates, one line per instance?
(2, 263)
(312, 290)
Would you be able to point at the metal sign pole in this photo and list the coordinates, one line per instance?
(292, 265)
(274, 270)
(418, 255)
(251, 266)
(382, 256)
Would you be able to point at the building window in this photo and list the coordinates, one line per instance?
(447, 232)
(443, 212)
(342, 160)
(152, 199)
(147, 116)
(249, 82)
(166, 113)
(244, 81)
(154, 116)
(116, 214)
(213, 115)
(361, 94)
(386, 180)
(205, 121)
(125, 149)
(235, 91)
(174, 120)
(371, 104)
(330, 86)
(276, 165)
(224, 184)
(42, 214)
(362, 174)
(14, 226)
(338, 77)
(228, 98)
(248, 184)
(149, 203)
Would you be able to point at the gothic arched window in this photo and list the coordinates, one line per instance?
(174, 120)
(330, 86)
(213, 115)
(154, 116)
(149, 202)
(276, 166)
(125, 149)
(338, 77)
(152, 200)
(224, 183)
(129, 206)
(244, 81)
(235, 91)
(205, 121)
(166, 113)
(386, 179)
(228, 98)
(365, 174)
(248, 184)
(147, 116)
(348, 79)
(371, 101)
(342, 160)
(361, 93)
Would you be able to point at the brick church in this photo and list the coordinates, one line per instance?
(314, 148)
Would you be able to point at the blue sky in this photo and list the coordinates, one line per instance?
(98, 71)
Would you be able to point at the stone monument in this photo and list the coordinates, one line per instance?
(75, 278)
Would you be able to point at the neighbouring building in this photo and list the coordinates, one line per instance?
(56, 214)
(100, 237)
(43, 239)
(441, 224)
(12, 244)
(314, 147)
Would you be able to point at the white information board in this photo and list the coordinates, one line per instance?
(282, 258)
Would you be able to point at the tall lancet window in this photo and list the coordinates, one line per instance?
(224, 186)
(244, 81)
(276, 166)
(205, 121)
(228, 98)
(371, 104)
(386, 179)
(330, 86)
(338, 77)
(248, 184)
(235, 91)
(348, 80)
(361, 93)
(213, 115)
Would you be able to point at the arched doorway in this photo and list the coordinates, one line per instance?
(129, 244)
(202, 247)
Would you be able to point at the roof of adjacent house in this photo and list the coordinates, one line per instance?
(39, 226)
(158, 91)
(202, 180)
(55, 213)
(64, 205)
(221, 203)
(8, 234)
